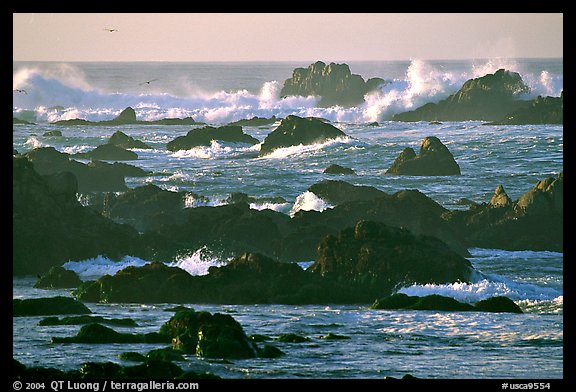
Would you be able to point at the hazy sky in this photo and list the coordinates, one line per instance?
(284, 37)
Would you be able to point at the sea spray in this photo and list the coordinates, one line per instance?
(309, 201)
(198, 262)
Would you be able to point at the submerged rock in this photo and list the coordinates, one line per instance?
(434, 159)
(294, 130)
(439, 302)
(128, 116)
(48, 306)
(95, 333)
(337, 169)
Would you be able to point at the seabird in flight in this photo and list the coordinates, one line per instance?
(148, 82)
(111, 30)
(19, 90)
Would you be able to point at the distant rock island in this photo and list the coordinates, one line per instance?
(334, 83)
(491, 97)
(128, 116)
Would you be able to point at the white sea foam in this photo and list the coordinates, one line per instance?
(33, 142)
(99, 266)
(308, 201)
(217, 150)
(486, 288)
(199, 261)
(66, 87)
(302, 149)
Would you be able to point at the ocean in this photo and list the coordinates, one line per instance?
(425, 344)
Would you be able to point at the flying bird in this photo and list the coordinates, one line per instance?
(147, 82)
(111, 30)
(19, 90)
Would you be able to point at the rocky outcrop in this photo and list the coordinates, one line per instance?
(92, 177)
(120, 139)
(53, 133)
(58, 277)
(541, 110)
(128, 116)
(208, 335)
(95, 333)
(384, 257)
(397, 301)
(50, 227)
(255, 121)
(490, 97)
(333, 83)
(294, 130)
(434, 159)
(48, 306)
(337, 192)
(337, 169)
(107, 152)
(204, 137)
(533, 222)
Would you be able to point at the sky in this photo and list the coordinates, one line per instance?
(284, 36)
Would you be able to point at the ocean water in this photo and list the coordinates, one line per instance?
(439, 345)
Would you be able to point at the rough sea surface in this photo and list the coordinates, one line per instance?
(425, 344)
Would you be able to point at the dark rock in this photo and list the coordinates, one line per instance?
(269, 351)
(294, 130)
(498, 304)
(337, 169)
(204, 137)
(81, 320)
(147, 206)
(53, 133)
(239, 197)
(108, 152)
(15, 152)
(541, 110)
(383, 257)
(132, 285)
(500, 198)
(255, 121)
(96, 370)
(395, 301)
(128, 116)
(98, 334)
(132, 356)
(533, 222)
(120, 139)
(337, 192)
(58, 277)
(434, 159)
(167, 354)
(333, 336)
(153, 370)
(490, 97)
(48, 215)
(334, 83)
(292, 338)
(19, 121)
(440, 302)
(95, 178)
(47, 306)
(208, 335)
